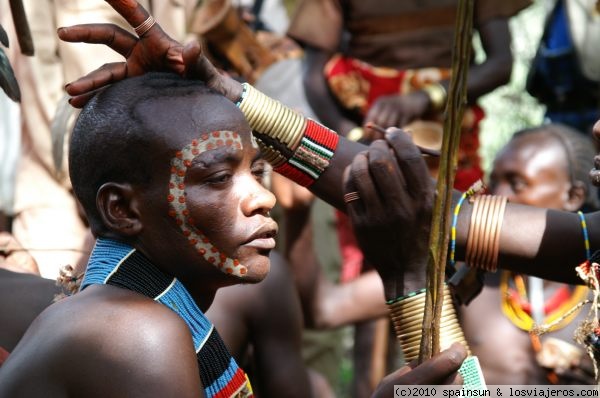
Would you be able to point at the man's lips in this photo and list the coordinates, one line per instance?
(261, 244)
(264, 237)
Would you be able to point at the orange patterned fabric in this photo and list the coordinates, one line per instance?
(357, 85)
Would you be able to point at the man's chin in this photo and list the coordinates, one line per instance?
(256, 269)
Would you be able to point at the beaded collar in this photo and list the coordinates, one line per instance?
(117, 264)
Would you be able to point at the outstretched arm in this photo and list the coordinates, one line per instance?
(318, 94)
(325, 304)
(401, 109)
(541, 242)
(152, 50)
(547, 244)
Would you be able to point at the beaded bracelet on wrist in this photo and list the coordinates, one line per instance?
(297, 147)
(474, 189)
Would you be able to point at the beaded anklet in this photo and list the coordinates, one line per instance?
(297, 147)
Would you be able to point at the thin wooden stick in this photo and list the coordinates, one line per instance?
(21, 26)
(424, 151)
(440, 223)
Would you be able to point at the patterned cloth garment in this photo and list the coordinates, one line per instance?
(117, 264)
(356, 85)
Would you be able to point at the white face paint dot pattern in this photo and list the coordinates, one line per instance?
(176, 198)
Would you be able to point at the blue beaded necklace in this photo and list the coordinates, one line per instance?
(117, 264)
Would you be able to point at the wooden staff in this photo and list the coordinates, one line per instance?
(21, 26)
(441, 220)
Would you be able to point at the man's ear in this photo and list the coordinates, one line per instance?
(577, 195)
(118, 205)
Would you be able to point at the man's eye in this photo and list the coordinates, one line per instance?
(259, 171)
(218, 178)
(518, 185)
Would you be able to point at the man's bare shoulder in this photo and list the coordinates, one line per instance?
(107, 313)
(105, 341)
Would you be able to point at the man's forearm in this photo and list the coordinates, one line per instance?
(318, 94)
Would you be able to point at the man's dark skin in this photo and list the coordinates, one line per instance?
(542, 247)
(532, 169)
(400, 110)
(22, 298)
(112, 347)
(266, 316)
(143, 333)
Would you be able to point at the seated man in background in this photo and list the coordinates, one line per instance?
(546, 167)
(23, 293)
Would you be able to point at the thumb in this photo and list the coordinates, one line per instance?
(191, 52)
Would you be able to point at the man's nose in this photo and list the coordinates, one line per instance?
(258, 199)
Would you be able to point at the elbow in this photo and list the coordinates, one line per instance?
(324, 317)
(313, 81)
(314, 63)
(505, 72)
(316, 316)
(503, 66)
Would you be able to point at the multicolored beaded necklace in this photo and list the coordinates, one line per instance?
(117, 264)
(517, 308)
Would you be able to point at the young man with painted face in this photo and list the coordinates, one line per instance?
(369, 176)
(549, 244)
(169, 175)
(544, 166)
(172, 161)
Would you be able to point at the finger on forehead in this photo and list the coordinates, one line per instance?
(107, 74)
(363, 181)
(133, 12)
(411, 162)
(113, 36)
(79, 101)
(385, 172)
